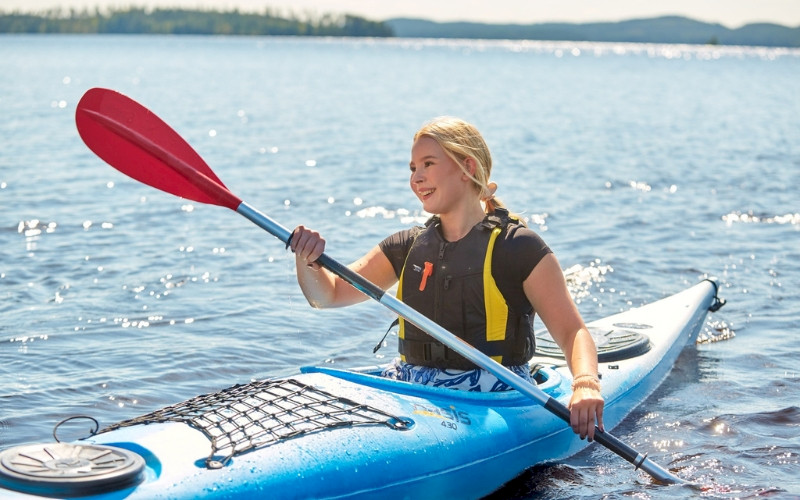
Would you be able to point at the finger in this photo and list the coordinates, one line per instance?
(590, 429)
(307, 243)
(577, 421)
(574, 420)
(299, 241)
(316, 251)
(294, 240)
(584, 423)
(600, 416)
(308, 249)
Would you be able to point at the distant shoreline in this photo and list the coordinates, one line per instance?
(134, 20)
(667, 29)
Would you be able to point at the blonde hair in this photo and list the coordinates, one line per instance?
(461, 140)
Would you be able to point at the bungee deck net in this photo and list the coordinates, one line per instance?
(249, 416)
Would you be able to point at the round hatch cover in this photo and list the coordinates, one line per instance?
(612, 344)
(65, 469)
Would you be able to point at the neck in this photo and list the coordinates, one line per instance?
(456, 225)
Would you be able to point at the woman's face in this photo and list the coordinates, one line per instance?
(436, 179)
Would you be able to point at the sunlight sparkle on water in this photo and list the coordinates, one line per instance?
(750, 218)
(581, 279)
(560, 49)
(640, 186)
(665, 445)
(372, 212)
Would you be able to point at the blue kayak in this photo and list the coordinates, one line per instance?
(329, 433)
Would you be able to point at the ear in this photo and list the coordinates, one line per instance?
(471, 165)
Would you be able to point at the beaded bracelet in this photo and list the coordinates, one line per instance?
(586, 381)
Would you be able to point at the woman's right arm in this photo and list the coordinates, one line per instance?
(324, 289)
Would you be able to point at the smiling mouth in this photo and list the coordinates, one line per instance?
(424, 193)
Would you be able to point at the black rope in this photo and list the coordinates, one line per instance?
(76, 417)
(380, 343)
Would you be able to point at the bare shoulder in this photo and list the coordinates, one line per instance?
(546, 275)
(546, 288)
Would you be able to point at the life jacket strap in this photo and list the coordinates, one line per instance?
(434, 354)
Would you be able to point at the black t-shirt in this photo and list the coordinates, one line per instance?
(516, 252)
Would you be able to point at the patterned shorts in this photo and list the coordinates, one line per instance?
(476, 380)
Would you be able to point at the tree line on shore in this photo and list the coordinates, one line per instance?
(189, 22)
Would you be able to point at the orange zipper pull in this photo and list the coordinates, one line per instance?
(425, 273)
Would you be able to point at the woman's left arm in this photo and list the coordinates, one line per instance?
(547, 292)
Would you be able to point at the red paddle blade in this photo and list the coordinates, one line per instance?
(132, 139)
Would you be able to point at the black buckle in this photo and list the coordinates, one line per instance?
(434, 351)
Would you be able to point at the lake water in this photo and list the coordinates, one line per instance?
(646, 168)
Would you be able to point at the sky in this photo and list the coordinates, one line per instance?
(731, 13)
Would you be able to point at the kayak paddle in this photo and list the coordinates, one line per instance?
(139, 144)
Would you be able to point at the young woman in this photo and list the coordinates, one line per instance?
(473, 269)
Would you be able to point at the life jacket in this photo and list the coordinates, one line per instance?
(452, 284)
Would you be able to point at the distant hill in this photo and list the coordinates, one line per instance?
(668, 29)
